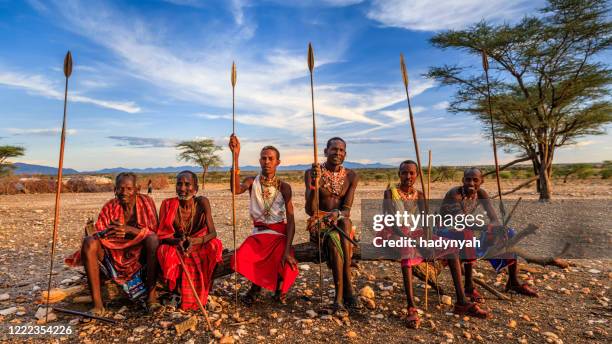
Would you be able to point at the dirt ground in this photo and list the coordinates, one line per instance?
(573, 307)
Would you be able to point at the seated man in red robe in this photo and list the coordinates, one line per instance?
(124, 246)
(186, 228)
(266, 257)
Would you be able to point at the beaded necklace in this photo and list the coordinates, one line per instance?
(333, 181)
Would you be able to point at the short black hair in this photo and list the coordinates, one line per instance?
(272, 148)
(125, 175)
(472, 169)
(194, 177)
(329, 142)
(408, 162)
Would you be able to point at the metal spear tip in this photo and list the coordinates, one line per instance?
(68, 64)
(404, 72)
(485, 61)
(310, 57)
(233, 74)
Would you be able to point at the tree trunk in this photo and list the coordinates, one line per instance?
(205, 168)
(545, 182)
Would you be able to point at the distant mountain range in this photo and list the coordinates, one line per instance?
(22, 168)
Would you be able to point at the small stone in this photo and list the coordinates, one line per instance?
(119, 317)
(594, 271)
(523, 341)
(74, 322)
(308, 292)
(526, 317)
(467, 335)
(351, 334)
(589, 334)
(35, 288)
(311, 313)
(585, 290)
(305, 267)
(448, 335)
(4, 297)
(447, 300)
(512, 323)
(226, 340)
(8, 311)
(139, 329)
(550, 335)
(66, 281)
(367, 292)
(165, 324)
(273, 331)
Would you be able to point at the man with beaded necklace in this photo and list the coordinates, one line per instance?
(337, 186)
(266, 257)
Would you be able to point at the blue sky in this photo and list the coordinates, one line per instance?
(149, 74)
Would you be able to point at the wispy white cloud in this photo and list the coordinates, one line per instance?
(39, 131)
(38, 84)
(145, 142)
(443, 105)
(274, 87)
(426, 15)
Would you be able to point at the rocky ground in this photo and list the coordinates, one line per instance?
(574, 306)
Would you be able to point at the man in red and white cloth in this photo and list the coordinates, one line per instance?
(124, 246)
(186, 228)
(266, 257)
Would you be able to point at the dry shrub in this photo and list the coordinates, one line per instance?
(159, 182)
(89, 184)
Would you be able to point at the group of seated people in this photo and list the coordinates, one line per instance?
(136, 248)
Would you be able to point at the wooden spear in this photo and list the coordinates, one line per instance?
(233, 80)
(316, 162)
(426, 263)
(58, 191)
(485, 66)
(193, 289)
(414, 138)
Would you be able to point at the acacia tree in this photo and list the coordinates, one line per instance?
(200, 152)
(549, 86)
(7, 152)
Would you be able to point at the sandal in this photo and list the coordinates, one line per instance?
(413, 321)
(280, 298)
(353, 303)
(475, 296)
(153, 307)
(523, 289)
(471, 309)
(339, 310)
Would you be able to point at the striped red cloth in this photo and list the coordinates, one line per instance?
(124, 253)
(199, 263)
(259, 258)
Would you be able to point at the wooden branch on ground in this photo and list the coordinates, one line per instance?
(526, 183)
(508, 165)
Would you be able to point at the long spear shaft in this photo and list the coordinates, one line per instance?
(192, 287)
(485, 66)
(414, 138)
(58, 191)
(426, 263)
(316, 161)
(234, 181)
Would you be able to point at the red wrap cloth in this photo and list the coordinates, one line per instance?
(200, 263)
(124, 253)
(259, 258)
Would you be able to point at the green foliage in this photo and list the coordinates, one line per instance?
(548, 85)
(443, 173)
(200, 152)
(7, 152)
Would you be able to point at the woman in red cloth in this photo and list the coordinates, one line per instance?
(186, 227)
(266, 257)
